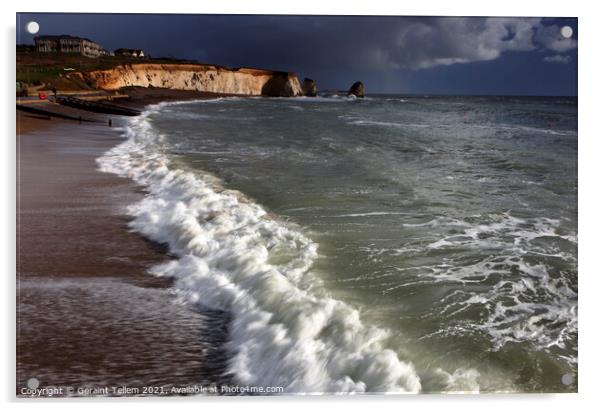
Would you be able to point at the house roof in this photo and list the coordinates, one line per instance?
(122, 50)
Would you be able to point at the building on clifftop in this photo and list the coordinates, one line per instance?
(68, 44)
(129, 52)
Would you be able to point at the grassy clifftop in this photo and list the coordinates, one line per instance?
(50, 68)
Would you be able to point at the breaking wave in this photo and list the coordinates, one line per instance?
(232, 256)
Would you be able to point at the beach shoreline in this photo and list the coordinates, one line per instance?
(88, 313)
(106, 322)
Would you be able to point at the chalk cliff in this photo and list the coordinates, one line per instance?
(200, 77)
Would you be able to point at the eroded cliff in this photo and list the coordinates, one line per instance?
(200, 77)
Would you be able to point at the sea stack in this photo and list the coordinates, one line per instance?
(357, 90)
(309, 87)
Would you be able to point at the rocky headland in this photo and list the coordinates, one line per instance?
(197, 77)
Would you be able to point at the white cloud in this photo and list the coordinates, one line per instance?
(551, 38)
(558, 58)
(417, 43)
(446, 41)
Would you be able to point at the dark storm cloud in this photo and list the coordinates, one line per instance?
(333, 49)
(367, 42)
(399, 43)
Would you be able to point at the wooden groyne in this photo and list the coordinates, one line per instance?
(97, 106)
(48, 114)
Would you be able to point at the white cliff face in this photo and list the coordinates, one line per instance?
(208, 78)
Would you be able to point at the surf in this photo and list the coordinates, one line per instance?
(231, 255)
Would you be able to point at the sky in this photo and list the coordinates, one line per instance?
(413, 55)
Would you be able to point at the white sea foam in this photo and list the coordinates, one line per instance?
(369, 214)
(521, 129)
(522, 298)
(495, 234)
(387, 124)
(335, 98)
(438, 221)
(526, 303)
(232, 256)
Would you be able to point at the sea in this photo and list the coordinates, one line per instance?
(391, 244)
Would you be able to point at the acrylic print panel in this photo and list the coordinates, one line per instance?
(278, 205)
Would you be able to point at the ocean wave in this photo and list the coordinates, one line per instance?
(368, 214)
(526, 298)
(388, 124)
(514, 129)
(230, 255)
(335, 98)
(513, 279)
(534, 307)
(503, 229)
(521, 129)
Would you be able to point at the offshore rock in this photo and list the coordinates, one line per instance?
(309, 87)
(357, 89)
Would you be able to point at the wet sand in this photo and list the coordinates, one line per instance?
(26, 123)
(88, 314)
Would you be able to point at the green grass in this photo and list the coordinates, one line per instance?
(49, 68)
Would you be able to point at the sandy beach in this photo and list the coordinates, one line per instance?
(89, 314)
